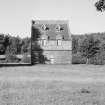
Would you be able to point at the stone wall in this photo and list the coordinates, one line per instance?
(53, 45)
(58, 57)
(57, 54)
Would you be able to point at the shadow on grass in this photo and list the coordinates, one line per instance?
(14, 65)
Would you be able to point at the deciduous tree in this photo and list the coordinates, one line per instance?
(100, 5)
(89, 47)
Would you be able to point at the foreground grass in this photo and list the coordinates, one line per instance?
(52, 85)
(51, 93)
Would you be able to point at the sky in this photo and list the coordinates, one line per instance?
(16, 15)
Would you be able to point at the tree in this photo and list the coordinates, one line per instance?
(17, 44)
(36, 50)
(89, 47)
(74, 45)
(26, 45)
(2, 49)
(11, 54)
(6, 41)
(100, 5)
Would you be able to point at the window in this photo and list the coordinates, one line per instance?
(44, 39)
(44, 42)
(59, 28)
(59, 42)
(62, 28)
(51, 59)
(48, 37)
(45, 28)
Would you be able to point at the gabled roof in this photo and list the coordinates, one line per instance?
(52, 28)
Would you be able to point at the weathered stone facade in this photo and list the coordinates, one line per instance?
(54, 40)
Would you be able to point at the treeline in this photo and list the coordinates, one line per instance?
(15, 49)
(16, 45)
(88, 48)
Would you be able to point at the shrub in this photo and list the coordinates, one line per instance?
(78, 59)
(26, 59)
(83, 90)
(99, 59)
(2, 61)
(11, 58)
(11, 54)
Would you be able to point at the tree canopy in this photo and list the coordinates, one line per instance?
(15, 44)
(100, 5)
(88, 48)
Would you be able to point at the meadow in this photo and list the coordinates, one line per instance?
(52, 85)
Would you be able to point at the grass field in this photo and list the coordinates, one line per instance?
(52, 85)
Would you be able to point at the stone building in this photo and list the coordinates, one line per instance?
(54, 40)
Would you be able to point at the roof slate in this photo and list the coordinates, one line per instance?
(52, 32)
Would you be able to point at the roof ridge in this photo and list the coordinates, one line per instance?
(51, 21)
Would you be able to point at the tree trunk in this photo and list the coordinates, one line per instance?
(87, 61)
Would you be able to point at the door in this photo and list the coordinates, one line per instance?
(51, 59)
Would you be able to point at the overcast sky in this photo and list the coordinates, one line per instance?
(16, 15)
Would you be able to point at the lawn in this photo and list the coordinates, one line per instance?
(52, 85)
